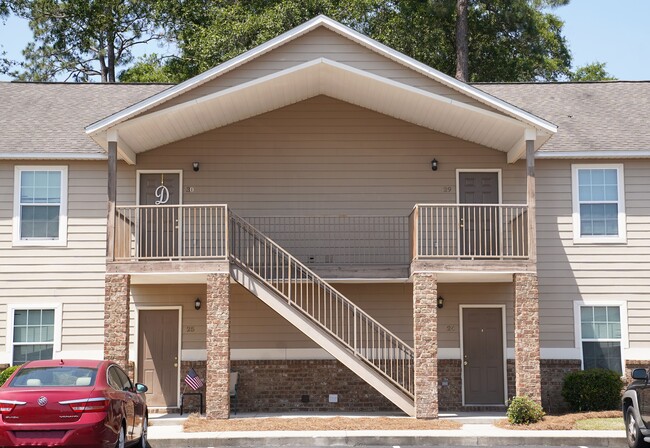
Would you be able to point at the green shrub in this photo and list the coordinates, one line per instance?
(524, 411)
(593, 390)
(6, 373)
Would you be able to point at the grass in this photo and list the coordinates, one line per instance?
(572, 421)
(200, 424)
(601, 424)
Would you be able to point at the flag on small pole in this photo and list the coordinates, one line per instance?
(193, 380)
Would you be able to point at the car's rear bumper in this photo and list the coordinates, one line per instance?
(89, 431)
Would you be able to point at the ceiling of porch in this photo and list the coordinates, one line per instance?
(323, 77)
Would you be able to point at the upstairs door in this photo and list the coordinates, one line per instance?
(479, 225)
(159, 222)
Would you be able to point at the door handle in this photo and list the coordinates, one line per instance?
(465, 363)
(175, 364)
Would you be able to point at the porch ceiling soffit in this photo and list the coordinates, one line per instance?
(323, 77)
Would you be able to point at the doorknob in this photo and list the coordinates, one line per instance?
(464, 363)
(176, 364)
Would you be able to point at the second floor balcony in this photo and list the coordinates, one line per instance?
(439, 237)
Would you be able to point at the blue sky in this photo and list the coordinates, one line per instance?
(613, 31)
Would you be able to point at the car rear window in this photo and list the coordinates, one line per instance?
(59, 376)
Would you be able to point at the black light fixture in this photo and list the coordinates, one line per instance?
(434, 165)
(440, 302)
(197, 303)
(195, 166)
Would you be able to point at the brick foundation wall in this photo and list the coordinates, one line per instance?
(279, 386)
(553, 373)
(527, 366)
(425, 335)
(450, 384)
(117, 320)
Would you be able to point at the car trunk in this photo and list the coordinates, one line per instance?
(42, 405)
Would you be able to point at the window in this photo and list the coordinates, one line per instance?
(33, 335)
(598, 203)
(40, 205)
(601, 337)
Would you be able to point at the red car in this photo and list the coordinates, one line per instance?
(72, 403)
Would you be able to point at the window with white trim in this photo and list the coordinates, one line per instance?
(598, 203)
(33, 334)
(601, 337)
(40, 205)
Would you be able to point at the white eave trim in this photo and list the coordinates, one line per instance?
(643, 154)
(290, 35)
(52, 156)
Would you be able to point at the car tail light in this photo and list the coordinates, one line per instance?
(88, 404)
(6, 406)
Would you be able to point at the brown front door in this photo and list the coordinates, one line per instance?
(483, 356)
(158, 356)
(479, 235)
(158, 237)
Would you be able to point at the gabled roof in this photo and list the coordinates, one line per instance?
(181, 125)
(46, 120)
(595, 119)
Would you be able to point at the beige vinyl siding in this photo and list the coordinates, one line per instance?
(608, 272)
(321, 43)
(72, 276)
(253, 325)
(322, 157)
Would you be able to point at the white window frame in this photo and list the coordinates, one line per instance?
(622, 231)
(11, 311)
(62, 239)
(577, 323)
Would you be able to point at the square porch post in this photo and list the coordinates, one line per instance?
(527, 364)
(217, 396)
(425, 337)
(117, 319)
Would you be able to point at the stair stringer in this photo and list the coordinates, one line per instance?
(323, 339)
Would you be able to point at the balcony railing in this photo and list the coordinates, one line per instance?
(171, 232)
(436, 231)
(469, 231)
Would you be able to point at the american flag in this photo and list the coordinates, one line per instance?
(193, 380)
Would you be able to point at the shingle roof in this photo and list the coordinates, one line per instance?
(605, 116)
(50, 117)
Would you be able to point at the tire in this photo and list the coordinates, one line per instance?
(633, 434)
(143, 438)
(121, 438)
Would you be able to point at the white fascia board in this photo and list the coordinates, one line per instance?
(345, 31)
(52, 156)
(642, 154)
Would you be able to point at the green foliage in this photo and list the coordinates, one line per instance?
(524, 411)
(509, 40)
(149, 68)
(82, 39)
(6, 373)
(591, 72)
(592, 390)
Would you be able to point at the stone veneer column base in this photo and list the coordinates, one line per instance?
(217, 396)
(527, 367)
(117, 319)
(425, 336)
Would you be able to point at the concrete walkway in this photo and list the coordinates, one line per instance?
(477, 430)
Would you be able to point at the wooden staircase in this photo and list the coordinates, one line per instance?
(322, 313)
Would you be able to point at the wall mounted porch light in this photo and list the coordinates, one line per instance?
(195, 166)
(434, 165)
(197, 304)
(440, 302)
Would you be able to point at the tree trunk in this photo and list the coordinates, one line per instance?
(103, 69)
(111, 58)
(462, 41)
